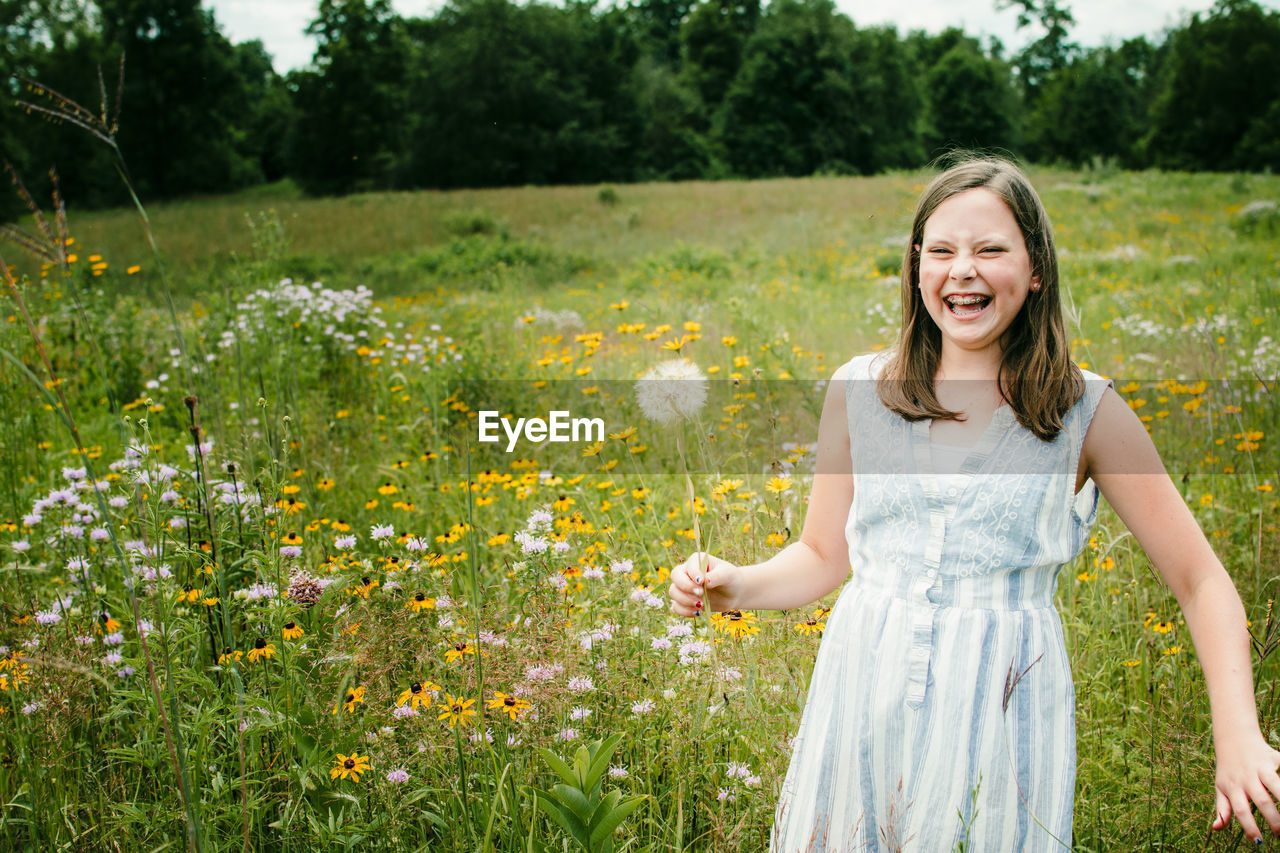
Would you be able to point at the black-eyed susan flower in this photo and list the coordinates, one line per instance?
(736, 623)
(418, 694)
(810, 626)
(292, 630)
(457, 650)
(513, 706)
(261, 649)
(420, 602)
(349, 766)
(107, 624)
(188, 594)
(457, 710)
(1162, 627)
(229, 655)
(354, 697)
(388, 489)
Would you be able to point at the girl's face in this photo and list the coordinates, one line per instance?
(975, 272)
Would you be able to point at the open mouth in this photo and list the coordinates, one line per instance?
(967, 305)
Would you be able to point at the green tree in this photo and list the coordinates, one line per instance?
(267, 111)
(505, 94)
(712, 40)
(183, 98)
(1095, 107)
(1216, 103)
(54, 42)
(348, 133)
(971, 102)
(798, 104)
(1048, 54)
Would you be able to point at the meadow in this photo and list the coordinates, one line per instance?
(262, 589)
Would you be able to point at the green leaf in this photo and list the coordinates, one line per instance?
(603, 808)
(562, 770)
(611, 821)
(575, 800)
(569, 822)
(601, 763)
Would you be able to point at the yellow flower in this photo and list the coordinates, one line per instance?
(513, 706)
(457, 650)
(1162, 627)
(188, 594)
(778, 485)
(325, 485)
(1206, 500)
(261, 649)
(457, 710)
(418, 694)
(292, 630)
(354, 697)
(349, 766)
(229, 655)
(1130, 663)
(810, 626)
(388, 489)
(1172, 650)
(736, 623)
(420, 602)
(108, 625)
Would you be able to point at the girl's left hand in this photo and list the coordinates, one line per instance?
(1247, 773)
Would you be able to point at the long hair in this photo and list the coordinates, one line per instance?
(1037, 376)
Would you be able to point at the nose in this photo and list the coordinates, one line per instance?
(962, 268)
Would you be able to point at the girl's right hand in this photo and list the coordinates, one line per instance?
(704, 583)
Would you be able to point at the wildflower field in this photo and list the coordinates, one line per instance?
(264, 589)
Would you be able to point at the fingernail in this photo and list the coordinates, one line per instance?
(1257, 842)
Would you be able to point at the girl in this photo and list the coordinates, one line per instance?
(956, 475)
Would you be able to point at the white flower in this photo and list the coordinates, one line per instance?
(580, 713)
(616, 772)
(672, 390)
(398, 776)
(381, 531)
(581, 684)
(567, 733)
(344, 543)
(644, 706)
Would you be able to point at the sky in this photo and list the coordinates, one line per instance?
(279, 24)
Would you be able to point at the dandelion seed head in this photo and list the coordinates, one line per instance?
(672, 390)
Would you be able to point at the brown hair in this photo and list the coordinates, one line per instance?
(1037, 376)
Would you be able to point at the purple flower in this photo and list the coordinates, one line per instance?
(398, 776)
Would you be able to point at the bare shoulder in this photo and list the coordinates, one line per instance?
(1117, 442)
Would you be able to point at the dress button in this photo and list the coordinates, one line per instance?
(951, 492)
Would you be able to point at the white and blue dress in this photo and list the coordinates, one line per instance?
(941, 707)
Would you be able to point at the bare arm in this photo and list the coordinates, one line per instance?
(1121, 459)
(804, 571)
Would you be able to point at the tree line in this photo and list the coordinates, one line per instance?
(491, 93)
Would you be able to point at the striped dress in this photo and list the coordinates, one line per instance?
(941, 709)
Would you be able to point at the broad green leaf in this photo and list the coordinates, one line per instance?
(615, 817)
(565, 818)
(561, 769)
(575, 800)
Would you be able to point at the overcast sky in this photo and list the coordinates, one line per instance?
(279, 23)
